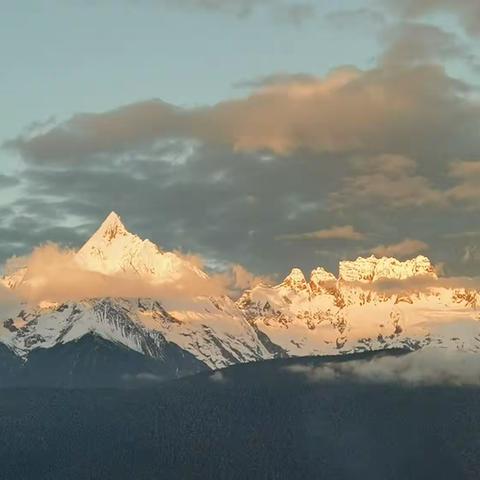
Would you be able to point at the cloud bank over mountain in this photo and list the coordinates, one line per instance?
(349, 161)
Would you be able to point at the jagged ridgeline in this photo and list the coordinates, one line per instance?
(373, 304)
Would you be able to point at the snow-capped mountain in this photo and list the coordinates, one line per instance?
(359, 310)
(214, 330)
(113, 249)
(372, 269)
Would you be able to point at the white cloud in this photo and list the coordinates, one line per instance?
(424, 367)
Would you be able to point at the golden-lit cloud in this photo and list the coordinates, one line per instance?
(381, 110)
(242, 279)
(346, 232)
(404, 249)
(53, 274)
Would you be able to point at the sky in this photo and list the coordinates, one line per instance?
(266, 133)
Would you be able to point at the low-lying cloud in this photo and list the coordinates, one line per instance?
(425, 367)
(53, 274)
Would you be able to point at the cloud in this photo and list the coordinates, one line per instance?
(419, 284)
(467, 174)
(404, 249)
(218, 377)
(425, 367)
(7, 181)
(346, 232)
(471, 254)
(290, 153)
(393, 182)
(388, 181)
(417, 44)
(297, 14)
(468, 11)
(9, 302)
(294, 12)
(145, 377)
(410, 110)
(243, 280)
(53, 274)
(276, 79)
(352, 18)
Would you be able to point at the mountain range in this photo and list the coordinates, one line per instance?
(148, 311)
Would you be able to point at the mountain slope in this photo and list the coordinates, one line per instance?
(10, 366)
(212, 329)
(325, 315)
(94, 362)
(113, 249)
(375, 303)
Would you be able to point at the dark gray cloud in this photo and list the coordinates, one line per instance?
(417, 43)
(468, 11)
(222, 204)
(229, 207)
(387, 181)
(7, 181)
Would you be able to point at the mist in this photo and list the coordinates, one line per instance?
(427, 367)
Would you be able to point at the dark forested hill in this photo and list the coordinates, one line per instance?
(92, 361)
(246, 422)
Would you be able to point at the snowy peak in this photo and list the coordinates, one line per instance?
(295, 280)
(320, 275)
(111, 228)
(113, 249)
(372, 269)
(110, 248)
(362, 269)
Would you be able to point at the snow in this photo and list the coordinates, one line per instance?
(341, 317)
(372, 269)
(324, 315)
(320, 275)
(113, 249)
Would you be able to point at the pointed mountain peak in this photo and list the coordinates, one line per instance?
(113, 249)
(296, 280)
(320, 275)
(111, 227)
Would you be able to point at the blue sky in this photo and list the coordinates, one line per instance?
(64, 58)
(61, 57)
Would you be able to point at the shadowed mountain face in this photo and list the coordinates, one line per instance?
(249, 421)
(94, 362)
(10, 366)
